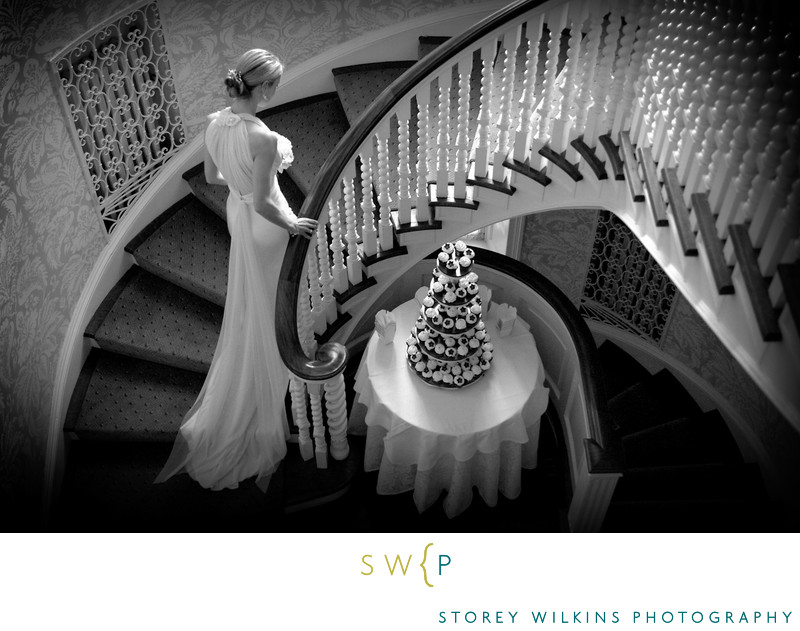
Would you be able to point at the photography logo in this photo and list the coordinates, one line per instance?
(403, 569)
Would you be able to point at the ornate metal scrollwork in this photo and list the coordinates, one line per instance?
(625, 286)
(118, 90)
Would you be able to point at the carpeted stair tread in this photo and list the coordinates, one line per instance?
(620, 370)
(132, 399)
(214, 196)
(359, 86)
(109, 487)
(693, 516)
(726, 481)
(191, 250)
(699, 439)
(314, 126)
(153, 319)
(656, 399)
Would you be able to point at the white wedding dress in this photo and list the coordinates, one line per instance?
(237, 428)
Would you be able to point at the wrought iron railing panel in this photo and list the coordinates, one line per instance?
(625, 286)
(117, 89)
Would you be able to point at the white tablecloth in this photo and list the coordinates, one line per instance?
(432, 439)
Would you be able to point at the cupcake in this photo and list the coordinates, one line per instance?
(458, 380)
(437, 287)
(460, 246)
(449, 341)
(437, 375)
(447, 248)
(439, 349)
(461, 293)
(448, 323)
(443, 257)
(412, 350)
(419, 366)
(427, 301)
(450, 353)
(422, 336)
(447, 378)
(473, 343)
(480, 335)
(464, 261)
(468, 375)
(461, 324)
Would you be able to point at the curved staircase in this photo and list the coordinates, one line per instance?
(155, 333)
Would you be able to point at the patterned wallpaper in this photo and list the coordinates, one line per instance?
(559, 244)
(50, 235)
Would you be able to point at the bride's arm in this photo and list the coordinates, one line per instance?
(265, 147)
(213, 176)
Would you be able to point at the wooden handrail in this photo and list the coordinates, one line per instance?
(602, 447)
(331, 358)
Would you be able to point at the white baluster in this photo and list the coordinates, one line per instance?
(320, 446)
(337, 247)
(551, 66)
(637, 16)
(297, 390)
(522, 138)
(443, 134)
(783, 227)
(615, 109)
(511, 41)
(314, 289)
(589, 68)
(325, 276)
(385, 229)
(353, 263)
(423, 197)
(562, 125)
(648, 25)
(782, 233)
(485, 114)
(404, 163)
(597, 123)
(336, 408)
(305, 323)
(462, 131)
(369, 235)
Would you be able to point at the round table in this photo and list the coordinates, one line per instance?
(429, 439)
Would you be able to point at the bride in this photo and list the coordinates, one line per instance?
(237, 428)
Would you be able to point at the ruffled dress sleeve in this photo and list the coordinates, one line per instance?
(285, 156)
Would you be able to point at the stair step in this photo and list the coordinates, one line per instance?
(562, 163)
(691, 482)
(657, 399)
(693, 516)
(754, 283)
(620, 370)
(188, 247)
(150, 318)
(698, 439)
(528, 171)
(354, 290)
(591, 158)
(612, 151)
(122, 398)
(358, 86)
(653, 187)
(680, 213)
(215, 196)
(630, 167)
(706, 225)
(314, 125)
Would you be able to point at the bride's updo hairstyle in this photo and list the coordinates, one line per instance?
(253, 68)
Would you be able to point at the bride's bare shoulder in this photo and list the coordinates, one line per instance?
(262, 140)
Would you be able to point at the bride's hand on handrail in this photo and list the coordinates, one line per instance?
(304, 227)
